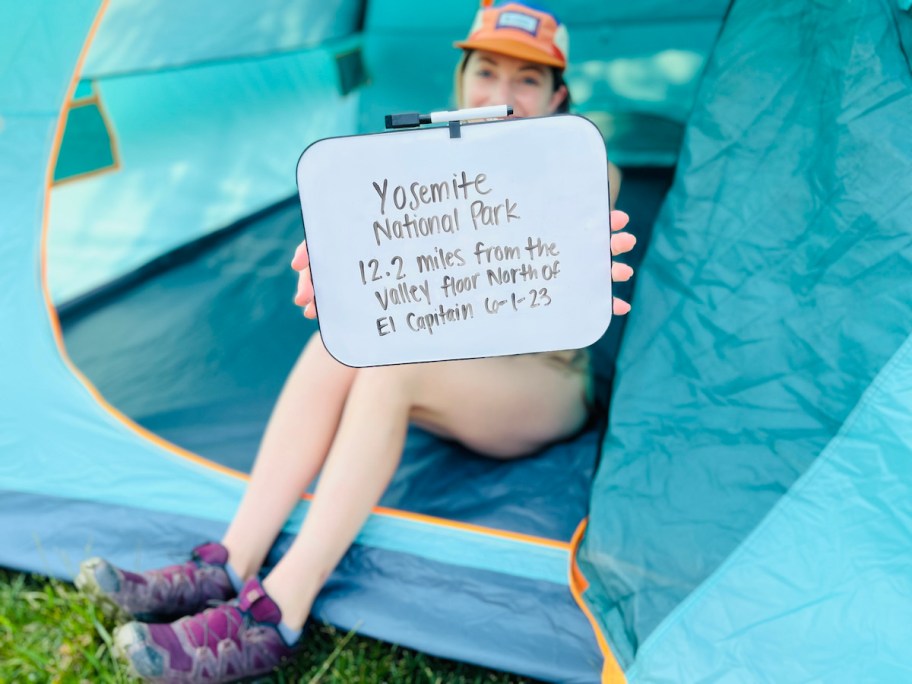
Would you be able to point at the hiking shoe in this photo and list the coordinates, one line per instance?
(235, 640)
(159, 595)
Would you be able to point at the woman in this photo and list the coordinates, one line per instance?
(335, 420)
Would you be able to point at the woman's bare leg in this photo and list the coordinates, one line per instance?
(506, 407)
(294, 446)
(360, 464)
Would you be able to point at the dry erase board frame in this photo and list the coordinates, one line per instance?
(426, 247)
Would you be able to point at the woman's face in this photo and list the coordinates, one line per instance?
(492, 79)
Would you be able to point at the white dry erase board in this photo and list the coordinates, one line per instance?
(426, 247)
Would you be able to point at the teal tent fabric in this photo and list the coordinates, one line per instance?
(777, 286)
(821, 590)
(35, 70)
(209, 105)
(137, 36)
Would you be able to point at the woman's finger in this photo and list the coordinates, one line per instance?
(621, 243)
(619, 220)
(305, 293)
(304, 297)
(301, 258)
(621, 273)
(620, 307)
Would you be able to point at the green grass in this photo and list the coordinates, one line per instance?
(49, 632)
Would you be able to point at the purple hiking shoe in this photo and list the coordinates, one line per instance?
(159, 595)
(235, 640)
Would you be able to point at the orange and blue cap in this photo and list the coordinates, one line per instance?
(516, 29)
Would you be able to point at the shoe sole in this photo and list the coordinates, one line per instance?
(87, 583)
(127, 640)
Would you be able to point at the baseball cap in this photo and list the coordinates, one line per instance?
(519, 30)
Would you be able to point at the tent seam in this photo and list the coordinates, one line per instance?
(349, 40)
(612, 673)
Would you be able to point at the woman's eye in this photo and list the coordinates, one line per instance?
(484, 73)
(531, 81)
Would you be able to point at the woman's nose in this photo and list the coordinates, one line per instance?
(505, 93)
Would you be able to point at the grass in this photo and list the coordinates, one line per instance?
(49, 632)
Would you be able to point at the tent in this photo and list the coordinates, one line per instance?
(741, 514)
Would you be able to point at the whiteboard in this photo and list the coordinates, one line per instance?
(427, 247)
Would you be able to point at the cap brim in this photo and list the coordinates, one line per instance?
(512, 48)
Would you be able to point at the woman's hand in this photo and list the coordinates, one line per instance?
(304, 297)
(621, 243)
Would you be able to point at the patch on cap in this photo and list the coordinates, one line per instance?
(518, 20)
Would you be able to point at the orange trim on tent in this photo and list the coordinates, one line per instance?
(152, 437)
(468, 527)
(611, 669)
(52, 311)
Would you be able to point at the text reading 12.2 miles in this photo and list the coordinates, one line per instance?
(370, 271)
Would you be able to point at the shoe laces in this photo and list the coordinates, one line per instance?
(253, 607)
(217, 624)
